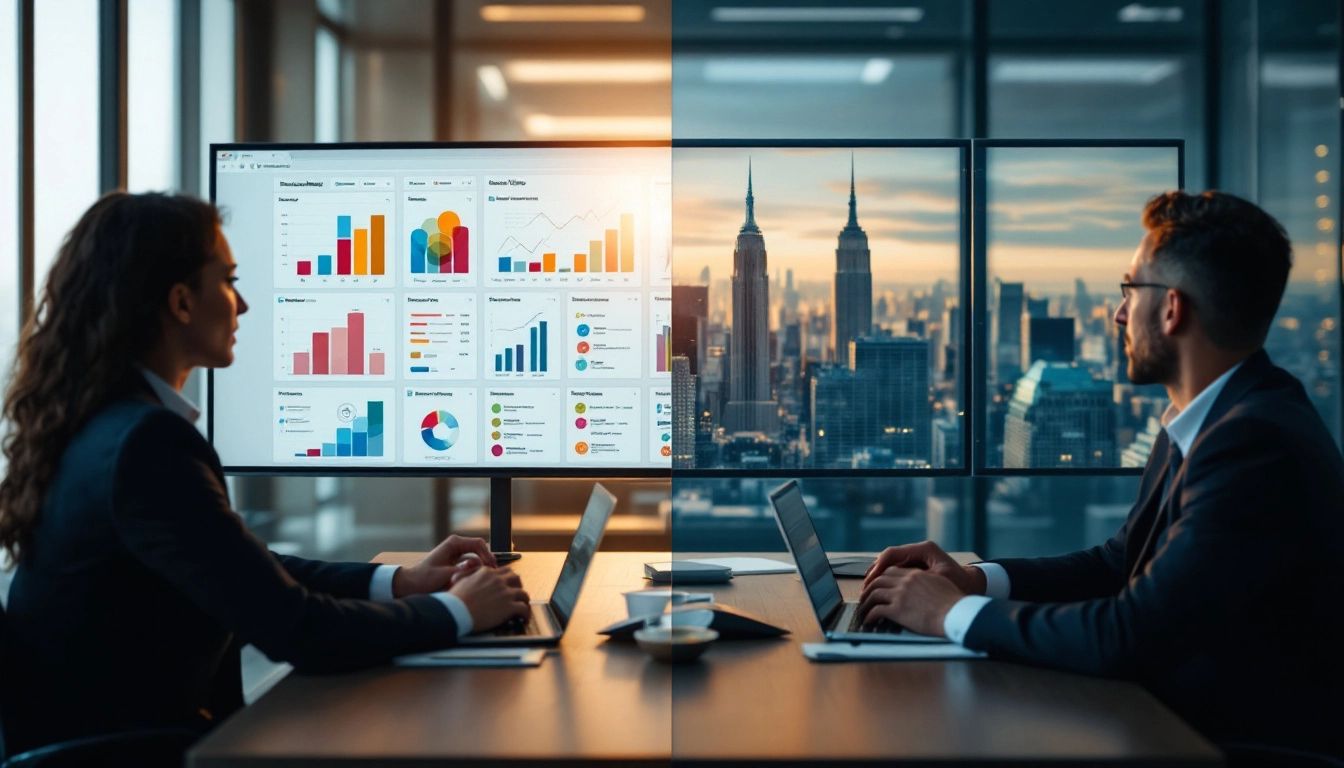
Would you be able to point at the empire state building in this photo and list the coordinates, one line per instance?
(749, 407)
(853, 299)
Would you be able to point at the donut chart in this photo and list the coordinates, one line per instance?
(439, 430)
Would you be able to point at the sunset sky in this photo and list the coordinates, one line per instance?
(1055, 214)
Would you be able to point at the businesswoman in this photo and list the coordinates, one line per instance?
(136, 582)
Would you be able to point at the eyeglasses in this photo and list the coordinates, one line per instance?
(1127, 288)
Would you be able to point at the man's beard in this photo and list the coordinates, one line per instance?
(1152, 360)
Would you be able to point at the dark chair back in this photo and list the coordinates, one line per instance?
(159, 748)
(1245, 755)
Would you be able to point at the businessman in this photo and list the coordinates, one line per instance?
(1221, 592)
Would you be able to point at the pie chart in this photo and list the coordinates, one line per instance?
(439, 430)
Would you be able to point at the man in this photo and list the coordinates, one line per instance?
(1221, 591)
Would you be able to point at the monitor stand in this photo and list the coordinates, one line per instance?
(501, 520)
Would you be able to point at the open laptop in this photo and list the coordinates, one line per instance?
(548, 619)
(839, 619)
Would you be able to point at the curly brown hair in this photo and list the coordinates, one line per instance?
(97, 316)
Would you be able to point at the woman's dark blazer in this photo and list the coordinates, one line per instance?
(141, 583)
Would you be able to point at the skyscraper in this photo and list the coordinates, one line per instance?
(749, 407)
(853, 296)
(1007, 344)
(683, 413)
(1059, 417)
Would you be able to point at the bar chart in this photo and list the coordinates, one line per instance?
(332, 425)
(565, 230)
(333, 238)
(439, 333)
(660, 329)
(523, 335)
(333, 336)
(441, 225)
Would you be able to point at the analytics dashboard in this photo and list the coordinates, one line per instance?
(445, 306)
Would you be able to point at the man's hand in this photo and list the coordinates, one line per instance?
(493, 596)
(916, 599)
(453, 559)
(929, 557)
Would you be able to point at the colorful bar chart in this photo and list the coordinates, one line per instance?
(364, 436)
(359, 251)
(526, 358)
(441, 246)
(614, 253)
(663, 347)
(340, 352)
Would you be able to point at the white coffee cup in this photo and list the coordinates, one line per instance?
(651, 602)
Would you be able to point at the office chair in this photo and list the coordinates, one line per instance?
(1247, 755)
(148, 748)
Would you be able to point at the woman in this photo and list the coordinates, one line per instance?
(136, 581)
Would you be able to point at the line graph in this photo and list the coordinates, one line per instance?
(566, 229)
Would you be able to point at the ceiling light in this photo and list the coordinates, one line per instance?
(590, 71)
(797, 69)
(563, 13)
(627, 127)
(1084, 71)
(1293, 74)
(492, 80)
(810, 15)
(876, 71)
(1134, 13)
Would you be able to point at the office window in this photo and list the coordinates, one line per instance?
(1298, 173)
(851, 514)
(817, 307)
(9, 190)
(1062, 226)
(65, 122)
(1068, 70)
(326, 86)
(1041, 516)
(814, 95)
(153, 108)
(216, 83)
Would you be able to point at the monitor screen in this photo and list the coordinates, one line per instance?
(447, 307)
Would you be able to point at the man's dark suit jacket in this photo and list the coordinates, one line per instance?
(1232, 614)
(141, 584)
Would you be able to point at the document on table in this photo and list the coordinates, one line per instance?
(475, 657)
(842, 651)
(745, 566)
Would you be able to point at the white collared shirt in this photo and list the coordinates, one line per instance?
(1182, 427)
(380, 585)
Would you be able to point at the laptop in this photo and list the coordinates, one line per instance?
(839, 619)
(546, 624)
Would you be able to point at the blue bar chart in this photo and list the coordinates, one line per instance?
(522, 336)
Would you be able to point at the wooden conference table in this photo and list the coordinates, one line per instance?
(599, 701)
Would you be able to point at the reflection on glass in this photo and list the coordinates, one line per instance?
(815, 307)
(850, 514)
(1063, 224)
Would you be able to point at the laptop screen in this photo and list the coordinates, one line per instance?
(586, 539)
(795, 522)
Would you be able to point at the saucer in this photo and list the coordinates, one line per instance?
(675, 643)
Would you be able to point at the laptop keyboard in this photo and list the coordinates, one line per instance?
(517, 627)
(880, 627)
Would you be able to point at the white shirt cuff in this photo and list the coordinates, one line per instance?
(459, 610)
(958, 620)
(996, 580)
(380, 586)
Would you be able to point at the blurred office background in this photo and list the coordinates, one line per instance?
(129, 93)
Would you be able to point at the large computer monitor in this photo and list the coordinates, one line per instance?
(420, 309)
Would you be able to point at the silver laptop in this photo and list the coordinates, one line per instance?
(839, 619)
(546, 624)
